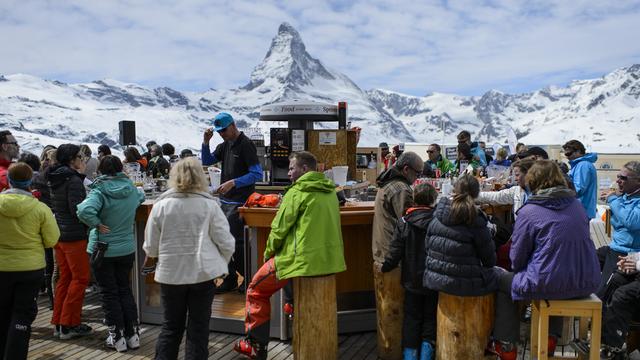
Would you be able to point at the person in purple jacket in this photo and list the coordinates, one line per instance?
(552, 256)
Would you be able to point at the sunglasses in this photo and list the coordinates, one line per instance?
(625, 178)
(223, 130)
(430, 151)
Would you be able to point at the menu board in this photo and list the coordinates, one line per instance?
(297, 140)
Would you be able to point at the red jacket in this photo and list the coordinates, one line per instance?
(4, 182)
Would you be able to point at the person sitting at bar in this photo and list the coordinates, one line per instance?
(158, 165)
(393, 198)
(552, 257)
(501, 158)
(305, 240)
(435, 162)
(464, 137)
(624, 203)
(189, 236)
(465, 159)
(520, 148)
(460, 251)
(515, 195)
(420, 303)
(620, 307)
(132, 155)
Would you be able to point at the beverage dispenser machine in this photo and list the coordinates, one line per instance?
(299, 117)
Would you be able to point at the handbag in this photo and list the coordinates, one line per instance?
(98, 254)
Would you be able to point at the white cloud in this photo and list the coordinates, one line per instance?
(460, 46)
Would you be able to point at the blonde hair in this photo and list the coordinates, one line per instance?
(501, 154)
(544, 174)
(187, 175)
(51, 156)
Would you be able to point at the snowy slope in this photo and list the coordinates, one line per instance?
(603, 113)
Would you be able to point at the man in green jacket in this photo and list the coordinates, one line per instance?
(305, 240)
(436, 161)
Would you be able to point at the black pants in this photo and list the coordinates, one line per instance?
(115, 289)
(190, 304)
(608, 261)
(419, 322)
(18, 309)
(236, 227)
(48, 274)
(619, 308)
(507, 319)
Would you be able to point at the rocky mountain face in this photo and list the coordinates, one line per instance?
(602, 113)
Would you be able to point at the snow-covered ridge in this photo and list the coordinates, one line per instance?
(603, 113)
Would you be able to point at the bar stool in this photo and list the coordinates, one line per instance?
(585, 308)
(464, 325)
(315, 324)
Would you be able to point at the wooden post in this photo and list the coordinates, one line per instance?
(389, 306)
(464, 326)
(315, 320)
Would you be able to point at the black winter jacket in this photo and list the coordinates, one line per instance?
(67, 191)
(39, 183)
(158, 167)
(408, 245)
(460, 258)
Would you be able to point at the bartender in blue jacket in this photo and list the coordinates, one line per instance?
(240, 171)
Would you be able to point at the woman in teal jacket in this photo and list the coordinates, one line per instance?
(109, 210)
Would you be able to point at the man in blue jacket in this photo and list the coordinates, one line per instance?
(240, 171)
(464, 137)
(583, 174)
(621, 293)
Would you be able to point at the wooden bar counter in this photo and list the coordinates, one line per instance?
(354, 287)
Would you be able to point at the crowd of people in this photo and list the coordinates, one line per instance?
(451, 246)
(67, 219)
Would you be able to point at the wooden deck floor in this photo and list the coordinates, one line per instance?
(44, 346)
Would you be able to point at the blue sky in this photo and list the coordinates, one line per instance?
(463, 46)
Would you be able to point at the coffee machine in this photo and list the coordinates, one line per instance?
(300, 117)
(280, 148)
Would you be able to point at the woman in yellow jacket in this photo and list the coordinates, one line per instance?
(27, 227)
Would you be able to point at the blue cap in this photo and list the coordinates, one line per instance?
(222, 121)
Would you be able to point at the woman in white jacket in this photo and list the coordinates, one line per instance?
(189, 236)
(515, 195)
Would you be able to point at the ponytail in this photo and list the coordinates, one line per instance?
(463, 208)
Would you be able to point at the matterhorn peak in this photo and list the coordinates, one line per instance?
(288, 62)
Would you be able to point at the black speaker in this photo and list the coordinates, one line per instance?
(127, 132)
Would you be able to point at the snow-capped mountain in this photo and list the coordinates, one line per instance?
(603, 113)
